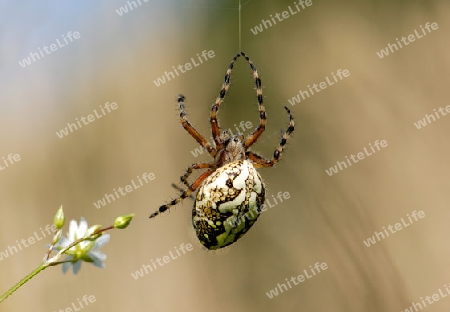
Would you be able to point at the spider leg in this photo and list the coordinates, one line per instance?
(261, 161)
(186, 193)
(189, 171)
(189, 128)
(191, 168)
(213, 119)
(181, 190)
(258, 161)
(262, 112)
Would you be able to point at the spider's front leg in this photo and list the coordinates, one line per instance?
(215, 108)
(262, 112)
(261, 161)
(189, 128)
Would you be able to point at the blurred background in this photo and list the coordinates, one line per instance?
(117, 59)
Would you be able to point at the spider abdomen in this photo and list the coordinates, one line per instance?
(227, 204)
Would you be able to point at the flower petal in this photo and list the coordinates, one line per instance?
(98, 263)
(82, 228)
(84, 244)
(63, 242)
(101, 241)
(65, 267)
(76, 267)
(72, 230)
(97, 254)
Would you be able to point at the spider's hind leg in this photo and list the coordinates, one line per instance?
(186, 193)
(181, 190)
(188, 172)
(191, 168)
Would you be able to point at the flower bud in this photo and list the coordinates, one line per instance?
(59, 218)
(123, 221)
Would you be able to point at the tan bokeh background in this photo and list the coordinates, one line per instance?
(327, 218)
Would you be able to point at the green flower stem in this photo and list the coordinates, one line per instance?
(23, 281)
(105, 229)
(52, 261)
(60, 262)
(43, 266)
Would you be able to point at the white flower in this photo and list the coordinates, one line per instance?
(84, 251)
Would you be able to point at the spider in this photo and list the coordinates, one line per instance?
(231, 191)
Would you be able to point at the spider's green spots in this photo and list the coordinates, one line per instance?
(224, 211)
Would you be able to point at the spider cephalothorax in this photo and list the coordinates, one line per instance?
(232, 150)
(231, 191)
